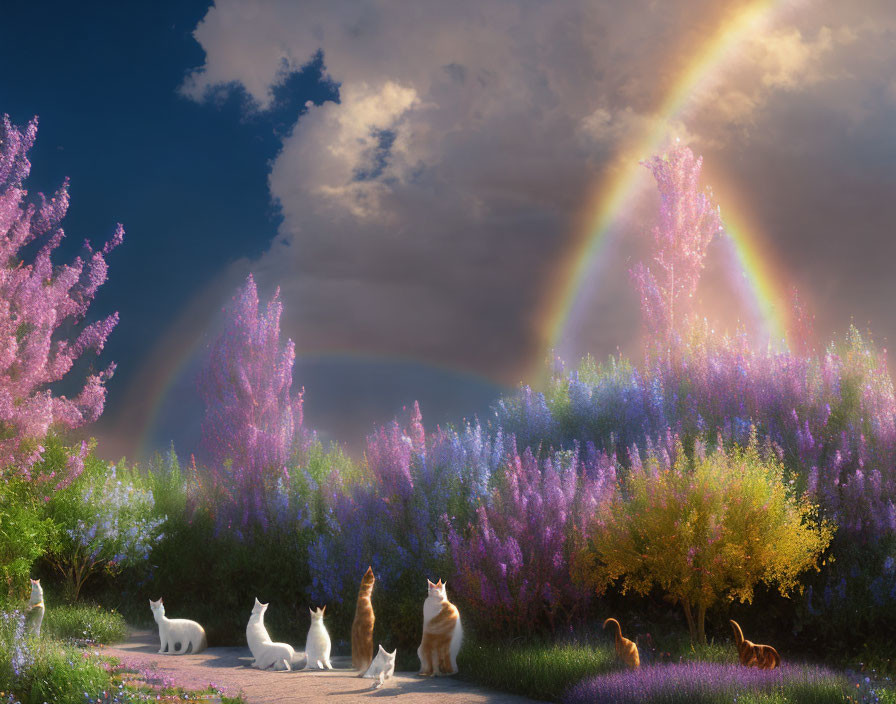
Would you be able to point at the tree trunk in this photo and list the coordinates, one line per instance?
(701, 624)
(689, 615)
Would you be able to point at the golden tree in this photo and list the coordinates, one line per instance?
(703, 529)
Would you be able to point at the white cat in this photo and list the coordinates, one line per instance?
(266, 652)
(382, 667)
(175, 632)
(317, 645)
(35, 608)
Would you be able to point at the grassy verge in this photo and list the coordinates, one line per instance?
(84, 624)
(36, 670)
(586, 670)
(534, 669)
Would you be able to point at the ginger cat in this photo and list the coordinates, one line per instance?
(177, 632)
(765, 657)
(362, 626)
(35, 608)
(442, 633)
(625, 649)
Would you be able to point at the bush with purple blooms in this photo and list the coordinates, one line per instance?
(105, 521)
(710, 683)
(395, 517)
(513, 561)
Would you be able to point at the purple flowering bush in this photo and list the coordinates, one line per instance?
(105, 520)
(253, 421)
(513, 561)
(394, 515)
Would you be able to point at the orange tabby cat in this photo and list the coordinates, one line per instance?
(625, 649)
(362, 626)
(765, 657)
(442, 633)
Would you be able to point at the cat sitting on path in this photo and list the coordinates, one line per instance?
(267, 653)
(382, 667)
(177, 632)
(442, 633)
(317, 644)
(35, 608)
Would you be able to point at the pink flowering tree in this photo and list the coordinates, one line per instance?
(252, 418)
(36, 299)
(688, 222)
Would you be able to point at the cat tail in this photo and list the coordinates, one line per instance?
(615, 623)
(738, 634)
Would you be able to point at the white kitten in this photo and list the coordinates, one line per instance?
(177, 632)
(266, 652)
(317, 645)
(382, 667)
(35, 608)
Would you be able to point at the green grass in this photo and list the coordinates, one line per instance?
(61, 673)
(535, 669)
(84, 623)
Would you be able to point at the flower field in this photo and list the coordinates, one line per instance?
(713, 478)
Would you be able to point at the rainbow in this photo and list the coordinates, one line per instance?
(182, 362)
(625, 180)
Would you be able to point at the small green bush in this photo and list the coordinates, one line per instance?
(105, 520)
(24, 537)
(84, 623)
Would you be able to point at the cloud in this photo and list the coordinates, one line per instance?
(424, 211)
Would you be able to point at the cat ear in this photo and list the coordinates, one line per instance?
(431, 585)
(444, 586)
(383, 650)
(322, 609)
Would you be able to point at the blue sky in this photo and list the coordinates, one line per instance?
(412, 178)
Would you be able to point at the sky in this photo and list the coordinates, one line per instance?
(446, 194)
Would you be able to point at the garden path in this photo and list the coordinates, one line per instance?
(228, 669)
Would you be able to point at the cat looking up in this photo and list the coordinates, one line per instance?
(362, 626)
(35, 608)
(266, 652)
(442, 633)
(317, 644)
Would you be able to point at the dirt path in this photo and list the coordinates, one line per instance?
(228, 668)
